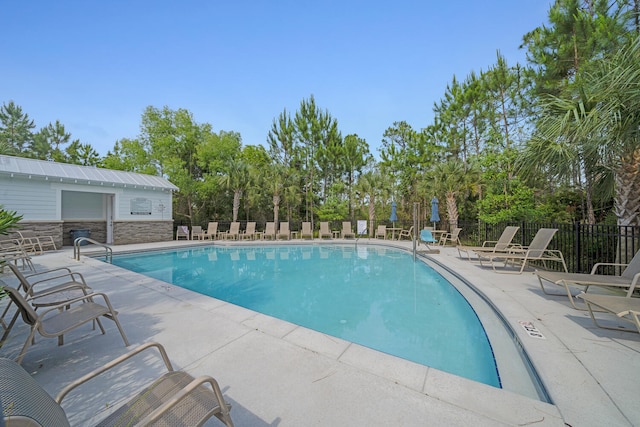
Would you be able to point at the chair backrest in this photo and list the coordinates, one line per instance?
(25, 400)
(24, 283)
(212, 228)
(270, 229)
(633, 268)
(306, 228)
(540, 242)
(182, 230)
(284, 227)
(234, 228)
(382, 229)
(506, 237)
(324, 228)
(426, 236)
(196, 229)
(251, 228)
(346, 227)
(454, 234)
(27, 312)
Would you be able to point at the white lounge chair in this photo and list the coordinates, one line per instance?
(381, 232)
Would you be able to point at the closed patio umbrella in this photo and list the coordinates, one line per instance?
(394, 216)
(435, 216)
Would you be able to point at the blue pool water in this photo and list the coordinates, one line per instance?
(376, 297)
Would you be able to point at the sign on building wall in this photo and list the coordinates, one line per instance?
(140, 206)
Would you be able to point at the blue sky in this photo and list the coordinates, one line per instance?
(96, 66)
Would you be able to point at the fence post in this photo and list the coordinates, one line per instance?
(578, 248)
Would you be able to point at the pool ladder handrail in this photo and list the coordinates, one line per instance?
(76, 248)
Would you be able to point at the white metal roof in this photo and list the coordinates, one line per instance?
(88, 175)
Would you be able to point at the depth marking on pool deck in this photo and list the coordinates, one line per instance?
(531, 330)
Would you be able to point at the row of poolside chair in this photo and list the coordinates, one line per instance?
(57, 301)
(625, 307)
(19, 249)
(270, 231)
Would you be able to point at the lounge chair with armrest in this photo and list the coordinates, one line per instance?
(250, 232)
(406, 233)
(35, 240)
(381, 232)
(325, 231)
(49, 287)
(284, 231)
(536, 251)
(501, 245)
(625, 307)
(59, 319)
(270, 230)
(347, 231)
(197, 233)
(452, 237)
(182, 232)
(212, 230)
(306, 230)
(628, 278)
(176, 398)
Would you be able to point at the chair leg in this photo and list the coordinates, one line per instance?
(26, 345)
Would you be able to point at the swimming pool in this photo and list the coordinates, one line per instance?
(374, 296)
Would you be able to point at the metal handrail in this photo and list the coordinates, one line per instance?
(76, 248)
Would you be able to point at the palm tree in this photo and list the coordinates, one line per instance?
(369, 187)
(605, 119)
(236, 179)
(454, 178)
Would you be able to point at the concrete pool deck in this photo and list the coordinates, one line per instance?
(275, 373)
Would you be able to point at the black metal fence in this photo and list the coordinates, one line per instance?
(582, 245)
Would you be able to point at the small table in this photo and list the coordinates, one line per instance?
(393, 232)
(336, 234)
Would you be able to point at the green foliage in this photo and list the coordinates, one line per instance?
(333, 209)
(8, 220)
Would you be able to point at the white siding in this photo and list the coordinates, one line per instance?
(35, 200)
(159, 201)
(42, 200)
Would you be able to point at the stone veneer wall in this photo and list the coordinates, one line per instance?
(124, 232)
(98, 230)
(127, 232)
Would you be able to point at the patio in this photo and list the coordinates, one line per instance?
(278, 374)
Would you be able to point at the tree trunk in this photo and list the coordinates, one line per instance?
(236, 204)
(452, 209)
(627, 202)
